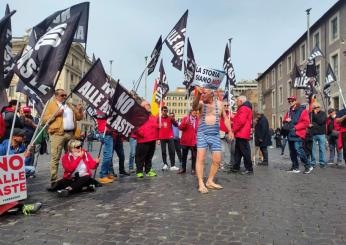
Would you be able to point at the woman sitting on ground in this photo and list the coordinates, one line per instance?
(77, 164)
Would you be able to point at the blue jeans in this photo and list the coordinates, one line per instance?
(107, 164)
(321, 139)
(296, 149)
(333, 146)
(133, 145)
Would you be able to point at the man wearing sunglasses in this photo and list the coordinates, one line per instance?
(296, 121)
(61, 118)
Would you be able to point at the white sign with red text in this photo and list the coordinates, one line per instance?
(12, 179)
(208, 78)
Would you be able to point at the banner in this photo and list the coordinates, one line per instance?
(12, 179)
(189, 67)
(228, 67)
(208, 78)
(33, 97)
(176, 40)
(154, 57)
(127, 114)
(95, 88)
(6, 55)
(45, 56)
(162, 86)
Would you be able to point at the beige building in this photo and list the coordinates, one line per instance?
(176, 102)
(275, 83)
(71, 74)
(248, 88)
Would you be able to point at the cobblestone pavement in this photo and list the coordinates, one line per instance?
(270, 207)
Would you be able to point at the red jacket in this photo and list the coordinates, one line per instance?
(102, 123)
(149, 131)
(302, 124)
(166, 130)
(70, 163)
(335, 125)
(189, 132)
(2, 127)
(223, 127)
(242, 121)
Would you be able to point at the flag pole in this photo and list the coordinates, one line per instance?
(100, 150)
(308, 45)
(13, 123)
(229, 86)
(145, 77)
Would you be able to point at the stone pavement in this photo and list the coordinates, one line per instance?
(270, 207)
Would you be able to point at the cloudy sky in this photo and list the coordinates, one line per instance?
(126, 31)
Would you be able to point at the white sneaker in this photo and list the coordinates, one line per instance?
(174, 168)
(165, 167)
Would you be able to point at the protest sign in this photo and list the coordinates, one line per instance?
(12, 179)
(208, 78)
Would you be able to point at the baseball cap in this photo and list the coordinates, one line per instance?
(330, 110)
(292, 98)
(26, 109)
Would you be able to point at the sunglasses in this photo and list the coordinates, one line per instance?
(164, 110)
(63, 95)
(78, 147)
(226, 105)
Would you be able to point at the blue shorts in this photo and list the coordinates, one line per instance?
(211, 141)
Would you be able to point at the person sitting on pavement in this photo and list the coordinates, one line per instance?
(77, 164)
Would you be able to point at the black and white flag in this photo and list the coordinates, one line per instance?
(91, 111)
(154, 57)
(189, 67)
(6, 55)
(45, 56)
(311, 68)
(228, 67)
(162, 86)
(316, 52)
(127, 114)
(95, 88)
(33, 97)
(330, 76)
(176, 40)
(327, 90)
(299, 79)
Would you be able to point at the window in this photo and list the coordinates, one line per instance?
(289, 64)
(281, 95)
(334, 62)
(334, 28)
(267, 81)
(280, 121)
(316, 39)
(11, 91)
(336, 103)
(280, 71)
(273, 99)
(273, 76)
(71, 78)
(302, 53)
(289, 89)
(273, 121)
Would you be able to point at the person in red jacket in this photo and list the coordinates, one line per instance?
(296, 121)
(166, 137)
(77, 164)
(146, 135)
(241, 127)
(332, 129)
(189, 126)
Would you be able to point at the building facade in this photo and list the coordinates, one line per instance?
(177, 102)
(275, 83)
(76, 64)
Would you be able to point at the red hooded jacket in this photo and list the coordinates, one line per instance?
(149, 131)
(242, 121)
(70, 164)
(166, 130)
(302, 124)
(189, 131)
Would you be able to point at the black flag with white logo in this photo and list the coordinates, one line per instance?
(330, 76)
(299, 79)
(316, 52)
(95, 88)
(45, 56)
(6, 55)
(162, 86)
(311, 68)
(154, 57)
(176, 40)
(127, 114)
(228, 68)
(189, 67)
(32, 96)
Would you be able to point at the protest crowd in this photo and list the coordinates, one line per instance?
(213, 123)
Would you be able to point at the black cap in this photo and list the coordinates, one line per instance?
(331, 110)
(18, 132)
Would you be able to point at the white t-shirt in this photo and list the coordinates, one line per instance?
(67, 117)
(81, 169)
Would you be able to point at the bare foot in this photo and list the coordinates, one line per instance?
(213, 185)
(202, 189)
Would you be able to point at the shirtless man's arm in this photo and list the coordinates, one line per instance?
(197, 105)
